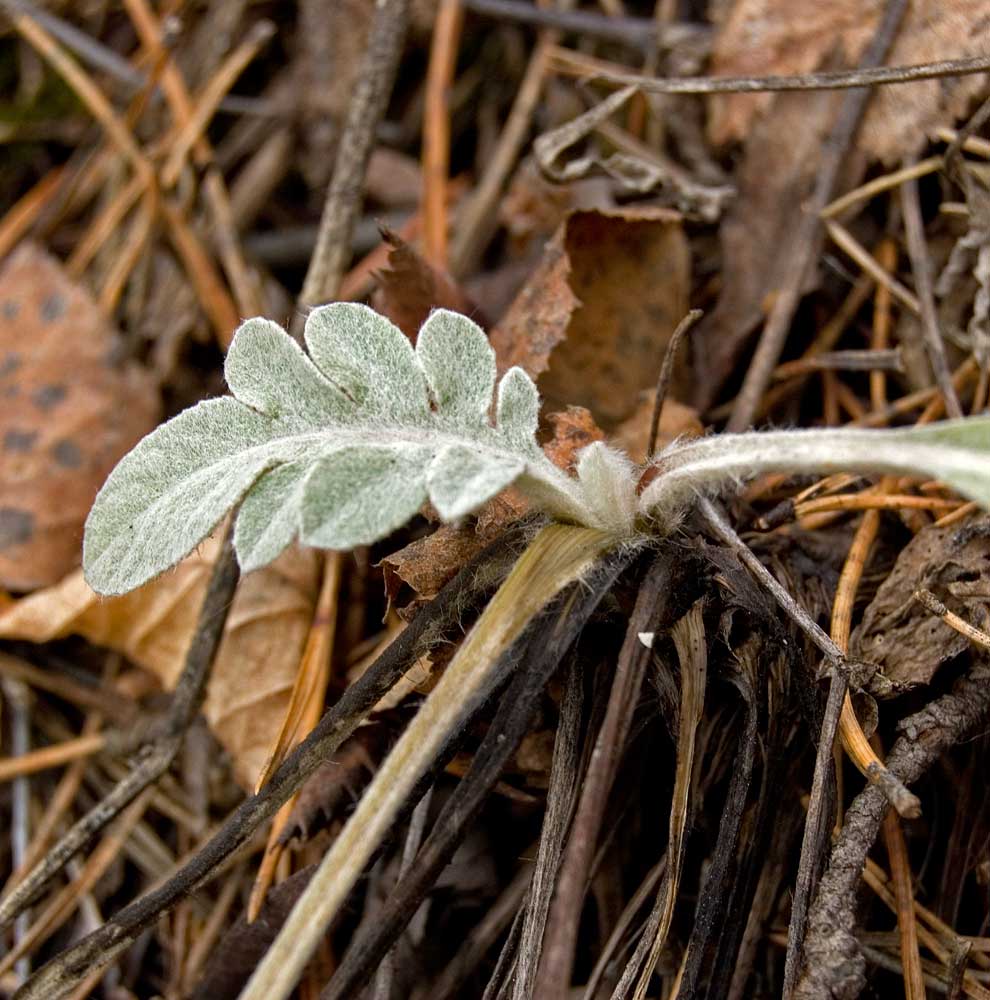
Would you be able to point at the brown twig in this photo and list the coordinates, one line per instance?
(931, 603)
(803, 249)
(436, 129)
(900, 869)
(666, 373)
(53, 756)
(833, 963)
(367, 106)
(840, 80)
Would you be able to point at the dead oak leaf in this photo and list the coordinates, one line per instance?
(762, 37)
(592, 322)
(68, 412)
(152, 626)
(409, 288)
(898, 633)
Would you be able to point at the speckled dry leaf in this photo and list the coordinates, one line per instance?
(256, 664)
(676, 421)
(907, 641)
(761, 37)
(540, 314)
(68, 411)
(595, 317)
(409, 288)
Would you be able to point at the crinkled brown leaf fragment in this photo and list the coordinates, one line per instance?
(257, 661)
(573, 429)
(69, 409)
(428, 563)
(594, 319)
(410, 287)
(761, 37)
(538, 318)
(898, 633)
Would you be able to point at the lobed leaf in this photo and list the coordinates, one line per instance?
(337, 447)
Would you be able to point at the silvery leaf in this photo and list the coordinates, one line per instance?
(955, 451)
(331, 447)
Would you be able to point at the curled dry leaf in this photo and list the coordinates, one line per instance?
(761, 37)
(258, 657)
(907, 641)
(593, 321)
(69, 412)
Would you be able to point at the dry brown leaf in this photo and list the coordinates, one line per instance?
(783, 136)
(69, 412)
(593, 321)
(428, 563)
(907, 641)
(761, 37)
(573, 429)
(256, 664)
(410, 287)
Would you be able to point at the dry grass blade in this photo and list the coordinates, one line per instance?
(557, 557)
(692, 654)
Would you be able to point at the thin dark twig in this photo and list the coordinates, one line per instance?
(433, 624)
(155, 758)
(921, 267)
(638, 32)
(817, 828)
(864, 77)
(554, 974)
(666, 372)
(364, 112)
(803, 249)
(833, 962)
(953, 153)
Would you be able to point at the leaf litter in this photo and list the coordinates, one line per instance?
(581, 277)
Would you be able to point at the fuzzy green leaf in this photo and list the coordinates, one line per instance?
(333, 447)
(357, 495)
(955, 451)
(458, 475)
(460, 367)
